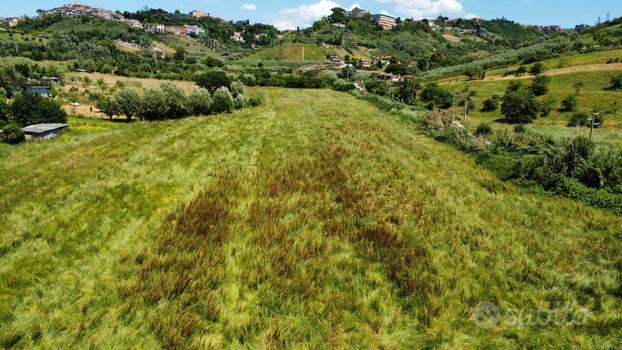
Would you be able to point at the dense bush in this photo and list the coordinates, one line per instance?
(328, 77)
(237, 88)
(483, 129)
(223, 100)
(569, 104)
(239, 101)
(537, 68)
(491, 104)
(616, 82)
(519, 104)
(578, 119)
(11, 133)
(30, 108)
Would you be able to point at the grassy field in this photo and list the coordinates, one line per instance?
(315, 221)
(565, 61)
(292, 52)
(593, 94)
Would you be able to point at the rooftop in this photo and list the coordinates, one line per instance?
(43, 128)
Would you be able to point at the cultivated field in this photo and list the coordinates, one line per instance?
(314, 221)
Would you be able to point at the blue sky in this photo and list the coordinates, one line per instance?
(291, 13)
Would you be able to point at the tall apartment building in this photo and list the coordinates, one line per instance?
(385, 21)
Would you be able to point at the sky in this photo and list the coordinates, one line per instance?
(288, 14)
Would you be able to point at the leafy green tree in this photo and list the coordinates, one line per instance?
(213, 80)
(176, 100)
(223, 100)
(127, 102)
(519, 105)
(408, 90)
(200, 102)
(436, 96)
(180, 53)
(155, 105)
(540, 85)
(30, 108)
(348, 72)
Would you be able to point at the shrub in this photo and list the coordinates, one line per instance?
(519, 105)
(328, 77)
(200, 102)
(223, 100)
(11, 133)
(578, 119)
(540, 85)
(237, 88)
(248, 79)
(213, 80)
(30, 108)
(239, 101)
(569, 104)
(491, 104)
(5, 112)
(537, 68)
(616, 82)
(546, 106)
(342, 85)
(256, 101)
(520, 128)
(483, 129)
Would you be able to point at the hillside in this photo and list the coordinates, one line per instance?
(315, 221)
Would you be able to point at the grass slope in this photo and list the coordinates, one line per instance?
(314, 221)
(593, 94)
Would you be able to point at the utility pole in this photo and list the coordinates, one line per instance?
(453, 105)
(594, 115)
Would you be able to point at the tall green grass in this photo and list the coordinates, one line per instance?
(315, 221)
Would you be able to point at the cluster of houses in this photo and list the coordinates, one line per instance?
(10, 21)
(176, 30)
(76, 9)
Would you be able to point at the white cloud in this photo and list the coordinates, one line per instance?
(304, 15)
(249, 7)
(419, 9)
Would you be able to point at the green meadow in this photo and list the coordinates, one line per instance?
(593, 94)
(291, 52)
(315, 221)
